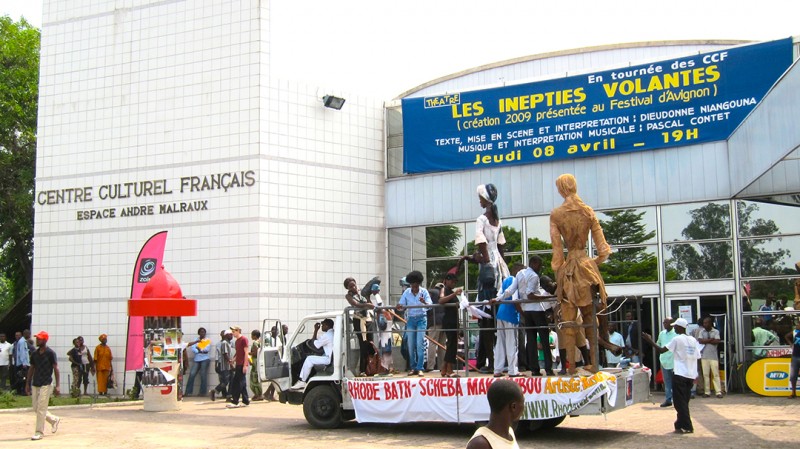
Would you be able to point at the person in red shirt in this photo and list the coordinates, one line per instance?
(239, 384)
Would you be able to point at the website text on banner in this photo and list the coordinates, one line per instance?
(684, 101)
(464, 399)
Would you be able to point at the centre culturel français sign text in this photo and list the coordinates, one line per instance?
(684, 101)
(155, 188)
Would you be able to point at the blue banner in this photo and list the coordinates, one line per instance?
(671, 103)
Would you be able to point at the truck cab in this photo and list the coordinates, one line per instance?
(325, 401)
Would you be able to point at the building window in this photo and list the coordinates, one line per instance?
(628, 264)
(690, 261)
(698, 243)
(685, 222)
(394, 142)
(626, 230)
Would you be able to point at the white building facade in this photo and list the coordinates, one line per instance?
(162, 115)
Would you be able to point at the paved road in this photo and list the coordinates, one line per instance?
(742, 421)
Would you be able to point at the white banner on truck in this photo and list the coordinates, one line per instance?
(464, 399)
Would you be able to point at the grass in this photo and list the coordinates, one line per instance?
(10, 400)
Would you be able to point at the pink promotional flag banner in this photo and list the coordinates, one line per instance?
(150, 258)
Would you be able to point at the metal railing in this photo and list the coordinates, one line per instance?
(464, 325)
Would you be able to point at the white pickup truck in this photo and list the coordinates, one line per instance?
(334, 393)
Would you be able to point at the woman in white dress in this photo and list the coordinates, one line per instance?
(489, 240)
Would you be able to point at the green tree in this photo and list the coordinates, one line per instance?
(705, 260)
(628, 264)
(19, 92)
(442, 241)
(755, 260)
(714, 260)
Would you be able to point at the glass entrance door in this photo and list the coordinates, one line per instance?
(686, 307)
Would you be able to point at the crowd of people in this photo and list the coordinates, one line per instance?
(15, 362)
(520, 306)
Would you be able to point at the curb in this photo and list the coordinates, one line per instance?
(78, 406)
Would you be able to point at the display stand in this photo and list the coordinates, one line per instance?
(163, 349)
(162, 305)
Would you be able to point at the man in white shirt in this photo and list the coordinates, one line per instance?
(536, 318)
(5, 360)
(324, 341)
(615, 338)
(686, 351)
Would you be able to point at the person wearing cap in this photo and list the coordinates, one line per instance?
(239, 383)
(102, 364)
(686, 351)
(223, 364)
(43, 364)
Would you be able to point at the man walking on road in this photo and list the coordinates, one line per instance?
(686, 351)
(223, 364)
(239, 385)
(43, 363)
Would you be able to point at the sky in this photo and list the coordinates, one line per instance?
(383, 48)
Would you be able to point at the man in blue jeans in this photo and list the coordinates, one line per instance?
(667, 359)
(416, 321)
(200, 348)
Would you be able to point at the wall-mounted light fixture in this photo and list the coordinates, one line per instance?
(333, 102)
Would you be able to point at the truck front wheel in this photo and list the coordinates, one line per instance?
(322, 408)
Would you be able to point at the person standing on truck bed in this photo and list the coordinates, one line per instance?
(506, 347)
(506, 403)
(362, 319)
(449, 295)
(416, 321)
(324, 341)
